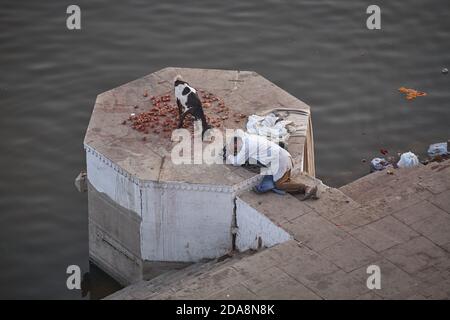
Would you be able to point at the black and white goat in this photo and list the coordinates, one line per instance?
(188, 102)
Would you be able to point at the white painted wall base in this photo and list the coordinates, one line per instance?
(180, 222)
(255, 230)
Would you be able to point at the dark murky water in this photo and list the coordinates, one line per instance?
(320, 51)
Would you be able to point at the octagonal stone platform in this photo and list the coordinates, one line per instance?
(148, 215)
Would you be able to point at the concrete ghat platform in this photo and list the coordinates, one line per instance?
(400, 222)
(148, 215)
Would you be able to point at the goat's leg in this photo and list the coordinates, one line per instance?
(205, 125)
(180, 124)
(180, 108)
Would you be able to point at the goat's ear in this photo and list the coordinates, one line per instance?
(177, 78)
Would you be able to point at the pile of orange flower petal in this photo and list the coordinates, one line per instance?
(163, 115)
(411, 94)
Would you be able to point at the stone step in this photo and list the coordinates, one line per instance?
(164, 283)
(316, 223)
(193, 269)
(287, 211)
(332, 202)
(365, 188)
(380, 194)
(153, 284)
(390, 193)
(332, 242)
(282, 209)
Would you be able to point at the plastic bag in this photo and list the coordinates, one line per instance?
(378, 164)
(268, 126)
(438, 149)
(408, 160)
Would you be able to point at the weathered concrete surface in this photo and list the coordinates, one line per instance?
(399, 222)
(175, 214)
(242, 91)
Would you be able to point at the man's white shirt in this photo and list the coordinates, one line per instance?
(257, 148)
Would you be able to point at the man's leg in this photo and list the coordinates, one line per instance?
(285, 183)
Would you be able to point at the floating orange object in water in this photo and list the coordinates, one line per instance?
(411, 94)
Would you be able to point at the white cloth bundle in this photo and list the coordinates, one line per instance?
(268, 127)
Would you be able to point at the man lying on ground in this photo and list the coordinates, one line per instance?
(276, 164)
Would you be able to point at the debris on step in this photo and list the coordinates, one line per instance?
(378, 164)
(408, 160)
(438, 149)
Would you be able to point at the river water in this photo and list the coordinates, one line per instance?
(320, 51)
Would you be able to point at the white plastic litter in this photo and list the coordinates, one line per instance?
(408, 160)
(378, 164)
(438, 149)
(269, 127)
